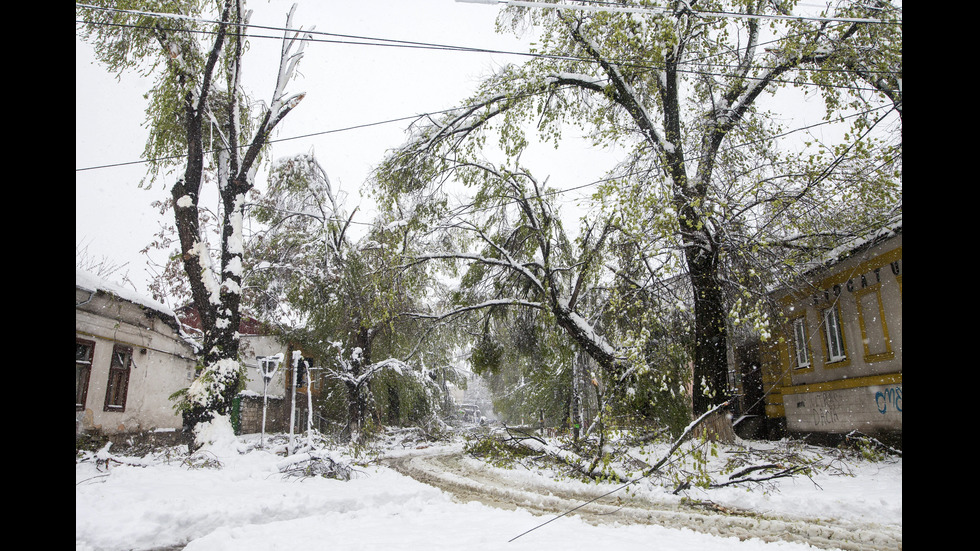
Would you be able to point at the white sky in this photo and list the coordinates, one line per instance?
(346, 85)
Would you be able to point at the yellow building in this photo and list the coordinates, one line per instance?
(835, 364)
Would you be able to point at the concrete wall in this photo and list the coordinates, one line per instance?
(868, 409)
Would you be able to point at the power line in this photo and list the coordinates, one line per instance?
(614, 7)
(373, 41)
(355, 40)
(610, 7)
(547, 193)
(271, 141)
(359, 40)
(556, 192)
(389, 121)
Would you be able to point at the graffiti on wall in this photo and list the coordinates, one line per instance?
(825, 408)
(889, 399)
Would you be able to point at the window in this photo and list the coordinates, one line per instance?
(83, 370)
(115, 394)
(833, 335)
(800, 340)
(874, 330)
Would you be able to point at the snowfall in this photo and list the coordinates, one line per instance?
(236, 494)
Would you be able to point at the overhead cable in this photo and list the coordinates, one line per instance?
(621, 8)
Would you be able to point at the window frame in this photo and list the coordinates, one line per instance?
(117, 383)
(83, 370)
(865, 319)
(833, 335)
(800, 343)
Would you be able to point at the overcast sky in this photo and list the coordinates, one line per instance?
(347, 85)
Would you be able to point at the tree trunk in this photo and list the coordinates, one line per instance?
(711, 336)
(356, 406)
(394, 406)
(357, 391)
(717, 427)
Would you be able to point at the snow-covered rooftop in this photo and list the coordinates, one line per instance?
(845, 250)
(91, 282)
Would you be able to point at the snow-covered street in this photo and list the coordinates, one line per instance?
(469, 479)
(248, 503)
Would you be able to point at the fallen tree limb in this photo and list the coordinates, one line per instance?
(859, 437)
(680, 439)
(741, 478)
(575, 461)
(677, 443)
(590, 468)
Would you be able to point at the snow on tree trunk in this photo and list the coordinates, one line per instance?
(216, 436)
(217, 296)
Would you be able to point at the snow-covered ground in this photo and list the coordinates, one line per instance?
(249, 503)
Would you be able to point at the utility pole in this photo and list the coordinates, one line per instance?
(297, 354)
(309, 402)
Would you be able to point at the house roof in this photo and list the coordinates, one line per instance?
(93, 283)
(845, 250)
(854, 246)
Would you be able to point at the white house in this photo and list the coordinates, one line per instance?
(129, 359)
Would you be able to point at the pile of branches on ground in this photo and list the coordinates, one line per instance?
(585, 459)
(601, 462)
(686, 461)
(315, 463)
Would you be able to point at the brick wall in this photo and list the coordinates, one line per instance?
(276, 419)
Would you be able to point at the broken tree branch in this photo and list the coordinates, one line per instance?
(677, 443)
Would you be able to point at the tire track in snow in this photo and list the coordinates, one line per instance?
(445, 470)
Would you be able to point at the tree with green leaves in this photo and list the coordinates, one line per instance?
(510, 240)
(525, 363)
(705, 190)
(348, 295)
(198, 116)
(526, 290)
